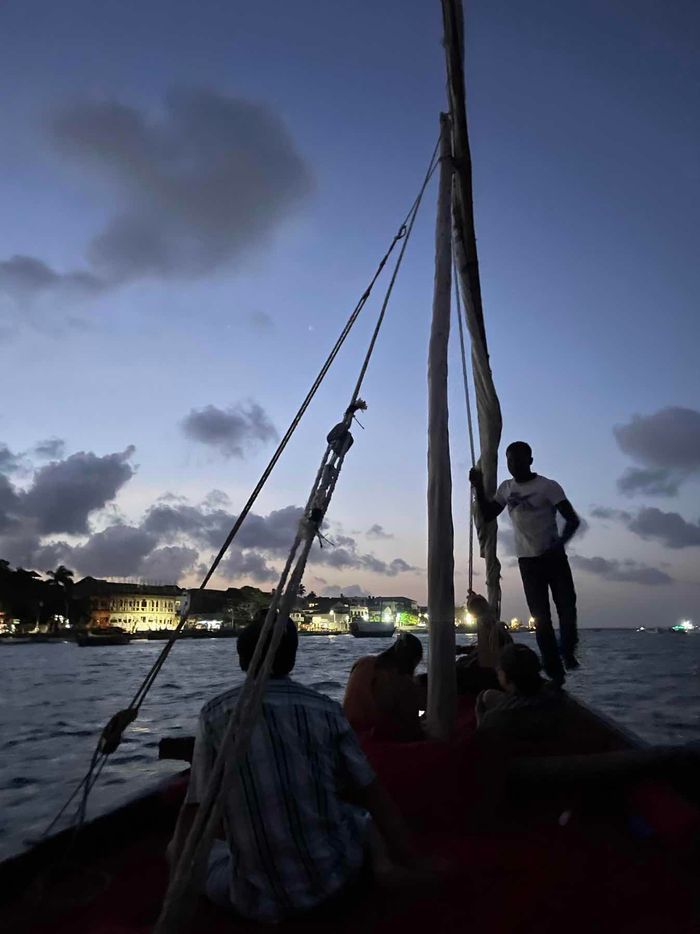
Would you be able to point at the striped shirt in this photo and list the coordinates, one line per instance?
(294, 842)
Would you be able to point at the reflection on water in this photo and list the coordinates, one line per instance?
(55, 699)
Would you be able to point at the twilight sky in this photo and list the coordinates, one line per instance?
(194, 195)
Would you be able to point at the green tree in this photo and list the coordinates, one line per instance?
(62, 580)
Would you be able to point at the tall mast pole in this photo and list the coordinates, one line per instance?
(442, 690)
(487, 405)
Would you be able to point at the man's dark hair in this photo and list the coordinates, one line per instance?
(403, 656)
(521, 666)
(286, 653)
(520, 446)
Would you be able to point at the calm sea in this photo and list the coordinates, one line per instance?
(54, 700)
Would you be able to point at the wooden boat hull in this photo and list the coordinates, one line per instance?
(613, 865)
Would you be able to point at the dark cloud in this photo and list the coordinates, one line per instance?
(27, 276)
(650, 523)
(666, 444)
(623, 571)
(49, 449)
(64, 493)
(232, 431)
(173, 536)
(274, 532)
(669, 528)
(376, 531)
(197, 189)
(9, 461)
(654, 481)
(350, 557)
(252, 564)
(118, 551)
(606, 512)
(167, 565)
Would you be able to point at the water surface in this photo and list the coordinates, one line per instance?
(55, 699)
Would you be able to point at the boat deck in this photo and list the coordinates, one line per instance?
(623, 858)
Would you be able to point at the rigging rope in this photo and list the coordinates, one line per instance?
(234, 745)
(111, 735)
(472, 449)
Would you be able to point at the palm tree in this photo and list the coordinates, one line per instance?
(62, 577)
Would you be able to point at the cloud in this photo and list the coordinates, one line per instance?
(9, 461)
(231, 431)
(650, 523)
(64, 493)
(669, 528)
(606, 512)
(26, 276)
(654, 481)
(666, 444)
(174, 535)
(252, 564)
(197, 188)
(167, 565)
(376, 531)
(118, 551)
(623, 571)
(49, 449)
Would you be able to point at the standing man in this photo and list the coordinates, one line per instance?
(533, 502)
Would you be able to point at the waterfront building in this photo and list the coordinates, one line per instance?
(327, 614)
(132, 607)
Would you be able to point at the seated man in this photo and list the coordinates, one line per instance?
(382, 696)
(293, 839)
(528, 708)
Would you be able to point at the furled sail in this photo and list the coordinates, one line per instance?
(464, 244)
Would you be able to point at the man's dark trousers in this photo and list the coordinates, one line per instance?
(546, 572)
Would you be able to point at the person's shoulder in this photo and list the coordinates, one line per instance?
(364, 663)
(292, 692)
(550, 484)
(222, 703)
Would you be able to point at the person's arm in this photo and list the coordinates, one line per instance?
(489, 508)
(571, 520)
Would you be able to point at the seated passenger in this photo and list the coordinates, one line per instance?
(476, 667)
(293, 839)
(382, 695)
(527, 707)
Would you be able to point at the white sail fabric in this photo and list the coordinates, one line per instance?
(442, 689)
(464, 236)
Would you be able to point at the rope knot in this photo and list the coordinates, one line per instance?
(112, 734)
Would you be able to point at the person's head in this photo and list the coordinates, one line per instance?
(519, 670)
(403, 656)
(519, 460)
(286, 653)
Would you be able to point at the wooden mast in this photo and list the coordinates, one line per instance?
(442, 691)
(467, 263)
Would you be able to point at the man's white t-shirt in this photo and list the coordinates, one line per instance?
(531, 507)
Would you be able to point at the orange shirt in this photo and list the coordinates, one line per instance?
(381, 700)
